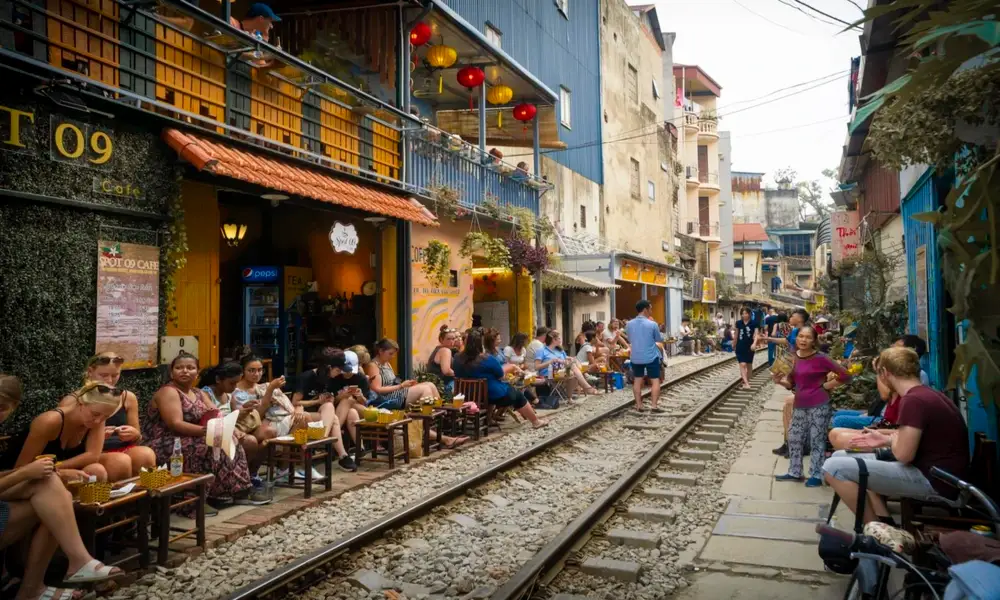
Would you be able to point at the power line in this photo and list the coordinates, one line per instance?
(857, 6)
(791, 87)
(810, 15)
(753, 12)
(768, 132)
(828, 16)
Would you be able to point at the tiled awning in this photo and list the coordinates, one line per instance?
(557, 280)
(226, 160)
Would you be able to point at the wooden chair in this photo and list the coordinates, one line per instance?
(475, 391)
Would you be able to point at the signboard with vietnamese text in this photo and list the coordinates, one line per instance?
(845, 236)
(708, 292)
(629, 271)
(128, 302)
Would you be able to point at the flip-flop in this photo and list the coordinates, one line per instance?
(457, 442)
(94, 572)
(54, 593)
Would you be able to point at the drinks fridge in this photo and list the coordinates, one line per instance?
(262, 313)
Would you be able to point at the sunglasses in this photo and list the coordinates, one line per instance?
(103, 361)
(107, 389)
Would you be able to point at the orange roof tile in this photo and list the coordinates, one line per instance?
(748, 232)
(227, 160)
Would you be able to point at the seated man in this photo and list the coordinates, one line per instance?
(687, 337)
(931, 433)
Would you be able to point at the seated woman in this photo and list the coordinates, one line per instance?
(219, 383)
(122, 456)
(474, 362)
(516, 354)
(551, 357)
(581, 338)
(439, 362)
(615, 338)
(179, 411)
(277, 414)
(74, 434)
(350, 389)
(727, 338)
(588, 353)
(35, 503)
(932, 433)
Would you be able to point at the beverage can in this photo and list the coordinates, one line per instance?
(982, 530)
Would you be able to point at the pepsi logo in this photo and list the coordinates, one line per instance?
(247, 272)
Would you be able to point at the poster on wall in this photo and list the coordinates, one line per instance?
(846, 238)
(128, 302)
(708, 293)
(921, 292)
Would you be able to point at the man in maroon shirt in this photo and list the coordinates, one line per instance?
(931, 433)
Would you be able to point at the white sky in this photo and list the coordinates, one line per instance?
(750, 57)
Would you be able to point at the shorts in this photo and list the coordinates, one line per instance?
(119, 449)
(651, 370)
(852, 419)
(393, 401)
(884, 477)
(744, 355)
(284, 426)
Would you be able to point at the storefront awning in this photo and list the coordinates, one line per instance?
(557, 280)
(226, 160)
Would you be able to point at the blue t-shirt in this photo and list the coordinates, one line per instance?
(791, 338)
(489, 368)
(548, 354)
(643, 333)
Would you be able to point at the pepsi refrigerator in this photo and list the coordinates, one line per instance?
(263, 314)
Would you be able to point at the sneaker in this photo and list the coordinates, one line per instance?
(781, 450)
(257, 481)
(789, 477)
(347, 463)
(316, 475)
(281, 475)
(814, 482)
(256, 497)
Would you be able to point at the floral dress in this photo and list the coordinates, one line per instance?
(231, 476)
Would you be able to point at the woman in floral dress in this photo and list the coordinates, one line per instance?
(177, 411)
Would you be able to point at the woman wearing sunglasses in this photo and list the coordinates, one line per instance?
(122, 456)
(73, 433)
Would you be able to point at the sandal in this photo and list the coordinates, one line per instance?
(54, 593)
(94, 572)
(455, 443)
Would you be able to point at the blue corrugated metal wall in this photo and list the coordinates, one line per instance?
(923, 198)
(560, 51)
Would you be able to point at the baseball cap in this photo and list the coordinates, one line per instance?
(259, 9)
(350, 361)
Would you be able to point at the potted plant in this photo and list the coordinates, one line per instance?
(491, 249)
(437, 262)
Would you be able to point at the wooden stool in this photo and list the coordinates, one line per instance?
(475, 390)
(384, 433)
(454, 419)
(162, 501)
(292, 455)
(434, 420)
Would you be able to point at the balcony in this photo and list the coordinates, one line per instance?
(690, 120)
(703, 229)
(708, 129)
(708, 181)
(171, 59)
(435, 158)
(691, 176)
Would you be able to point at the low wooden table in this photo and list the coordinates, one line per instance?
(382, 433)
(435, 420)
(192, 488)
(454, 419)
(606, 378)
(104, 517)
(294, 454)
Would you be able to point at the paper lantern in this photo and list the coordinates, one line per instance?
(499, 94)
(420, 34)
(525, 112)
(441, 57)
(471, 77)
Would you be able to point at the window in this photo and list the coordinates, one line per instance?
(565, 106)
(634, 179)
(563, 6)
(799, 244)
(737, 263)
(651, 191)
(632, 84)
(656, 90)
(494, 36)
(583, 216)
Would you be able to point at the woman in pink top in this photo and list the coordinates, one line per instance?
(812, 411)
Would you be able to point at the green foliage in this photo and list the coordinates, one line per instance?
(445, 202)
(437, 262)
(878, 327)
(174, 249)
(493, 250)
(933, 115)
(857, 394)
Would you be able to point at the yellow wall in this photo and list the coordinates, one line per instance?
(521, 305)
(657, 296)
(625, 298)
(700, 310)
(389, 289)
(433, 305)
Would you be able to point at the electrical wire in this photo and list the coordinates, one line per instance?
(827, 15)
(770, 131)
(753, 12)
(791, 87)
(810, 15)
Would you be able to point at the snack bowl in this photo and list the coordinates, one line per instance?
(301, 436)
(155, 479)
(95, 492)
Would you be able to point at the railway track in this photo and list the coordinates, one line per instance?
(467, 538)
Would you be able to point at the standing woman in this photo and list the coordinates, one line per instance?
(746, 331)
(440, 361)
(75, 434)
(122, 456)
(811, 411)
(176, 412)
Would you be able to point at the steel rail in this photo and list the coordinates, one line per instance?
(300, 569)
(522, 583)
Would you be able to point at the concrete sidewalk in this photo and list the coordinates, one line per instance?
(764, 545)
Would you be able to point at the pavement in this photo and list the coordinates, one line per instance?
(764, 544)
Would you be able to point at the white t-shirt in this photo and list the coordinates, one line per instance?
(608, 335)
(582, 354)
(529, 353)
(513, 357)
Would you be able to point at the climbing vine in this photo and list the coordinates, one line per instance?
(175, 249)
(437, 262)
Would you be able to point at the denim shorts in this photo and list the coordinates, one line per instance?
(852, 421)
(884, 477)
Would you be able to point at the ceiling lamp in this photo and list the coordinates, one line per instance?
(420, 34)
(499, 95)
(233, 233)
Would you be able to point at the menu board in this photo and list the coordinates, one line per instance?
(128, 302)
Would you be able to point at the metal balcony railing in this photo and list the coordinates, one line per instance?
(708, 126)
(691, 173)
(703, 229)
(436, 158)
(708, 178)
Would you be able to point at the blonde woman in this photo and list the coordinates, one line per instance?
(74, 432)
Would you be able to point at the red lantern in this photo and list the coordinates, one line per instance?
(471, 77)
(525, 112)
(420, 34)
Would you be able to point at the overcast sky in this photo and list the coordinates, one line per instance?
(750, 57)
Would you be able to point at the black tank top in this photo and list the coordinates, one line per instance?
(55, 446)
(435, 368)
(113, 442)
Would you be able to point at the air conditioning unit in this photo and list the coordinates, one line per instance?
(690, 228)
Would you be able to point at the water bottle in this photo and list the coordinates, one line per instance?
(177, 459)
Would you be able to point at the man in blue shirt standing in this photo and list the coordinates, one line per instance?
(643, 333)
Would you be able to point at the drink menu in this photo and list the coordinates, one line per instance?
(128, 302)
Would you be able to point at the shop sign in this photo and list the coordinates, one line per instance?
(647, 274)
(260, 274)
(128, 302)
(921, 292)
(70, 141)
(708, 293)
(630, 271)
(344, 237)
(846, 239)
(660, 277)
(113, 187)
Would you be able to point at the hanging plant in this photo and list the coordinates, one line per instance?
(491, 249)
(437, 262)
(491, 206)
(525, 257)
(175, 251)
(446, 202)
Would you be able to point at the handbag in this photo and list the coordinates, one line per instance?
(835, 553)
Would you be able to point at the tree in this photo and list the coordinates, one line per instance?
(812, 195)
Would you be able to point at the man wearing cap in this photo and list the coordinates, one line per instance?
(259, 19)
(349, 388)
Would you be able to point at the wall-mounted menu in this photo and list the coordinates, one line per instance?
(128, 302)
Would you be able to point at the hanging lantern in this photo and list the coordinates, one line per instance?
(471, 77)
(233, 233)
(525, 112)
(441, 57)
(499, 94)
(420, 34)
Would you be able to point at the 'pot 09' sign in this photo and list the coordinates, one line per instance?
(68, 140)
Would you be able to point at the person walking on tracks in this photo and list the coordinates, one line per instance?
(746, 329)
(644, 335)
